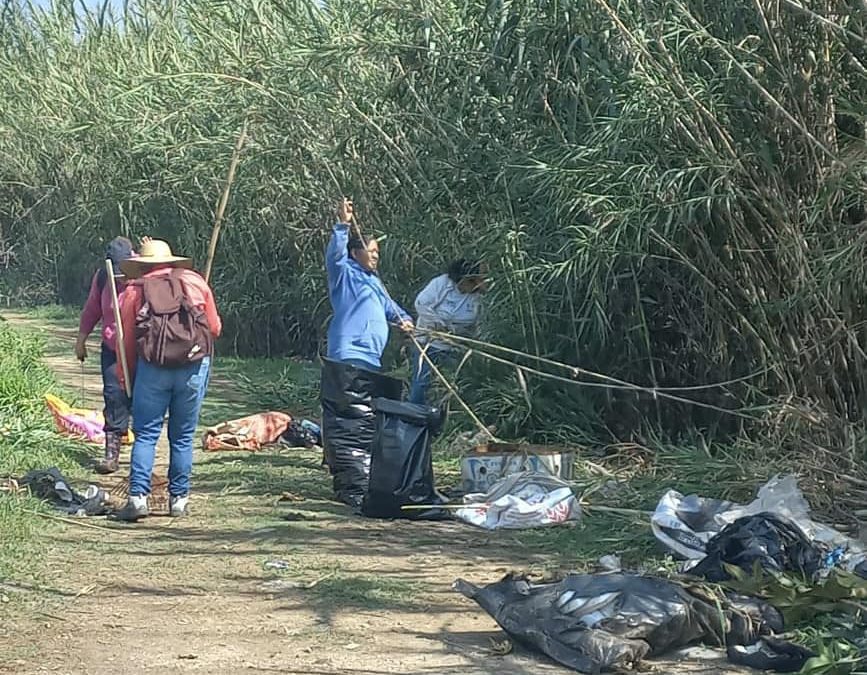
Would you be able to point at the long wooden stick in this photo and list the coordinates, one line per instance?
(121, 348)
(224, 200)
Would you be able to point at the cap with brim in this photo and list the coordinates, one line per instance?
(154, 253)
(118, 250)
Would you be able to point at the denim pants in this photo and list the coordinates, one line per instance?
(180, 391)
(117, 403)
(421, 372)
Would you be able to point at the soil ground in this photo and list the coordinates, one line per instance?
(198, 595)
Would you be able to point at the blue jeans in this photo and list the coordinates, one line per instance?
(117, 403)
(180, 391)
(421, 373)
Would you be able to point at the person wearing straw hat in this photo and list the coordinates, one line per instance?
(362, 307)
(169, 321)
(98, 309)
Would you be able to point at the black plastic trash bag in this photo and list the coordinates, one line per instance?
(349, 422)
(51, 486)
(777, 544)
(593, 623)
(401, 468)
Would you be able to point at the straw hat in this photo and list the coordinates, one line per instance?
(153, 253)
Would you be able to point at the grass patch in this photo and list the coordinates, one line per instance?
(27, 441)
(61, 315)
(365, 592)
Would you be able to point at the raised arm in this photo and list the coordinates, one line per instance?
(336, 253)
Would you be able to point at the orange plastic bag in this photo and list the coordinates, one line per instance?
(248, 433)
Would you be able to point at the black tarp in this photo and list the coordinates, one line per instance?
(599, 622)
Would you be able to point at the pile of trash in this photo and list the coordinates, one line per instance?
(599, 622)
(775, 531)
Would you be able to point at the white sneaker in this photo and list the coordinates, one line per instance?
(136, 508)
(179, 506)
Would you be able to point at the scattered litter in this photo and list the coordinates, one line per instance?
(593, 623)
(686, 525)
(501, 647)
(248, 433)
(401, 465)
(51, 486)
(277, 565)
(188, 657)
(523, 500)
(610, 563)
(349, 423)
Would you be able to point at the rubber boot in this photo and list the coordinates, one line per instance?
(112, 454)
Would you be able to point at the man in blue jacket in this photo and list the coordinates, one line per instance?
(362, 307)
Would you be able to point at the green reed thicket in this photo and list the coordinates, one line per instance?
(671, 193)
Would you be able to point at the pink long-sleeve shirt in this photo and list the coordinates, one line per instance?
(98, 309)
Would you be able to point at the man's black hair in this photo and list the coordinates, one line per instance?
(462, 268)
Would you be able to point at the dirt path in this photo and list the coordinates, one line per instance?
(198, 595)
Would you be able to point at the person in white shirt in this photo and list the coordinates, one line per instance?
(450, 303)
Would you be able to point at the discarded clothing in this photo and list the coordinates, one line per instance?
(594, 623)
(523, 500)
(51, 486)
(349, 423)
(776, 544)
(248, 433)
(685, 525)
(401, 465)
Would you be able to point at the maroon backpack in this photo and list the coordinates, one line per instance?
(170, 331)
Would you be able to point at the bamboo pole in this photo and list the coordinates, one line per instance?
(224, 200)
(121, 349)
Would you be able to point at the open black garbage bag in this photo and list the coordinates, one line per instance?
(349, 422)
(777, 544)
(401, 468)
(598, 622)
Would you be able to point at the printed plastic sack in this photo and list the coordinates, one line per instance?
(520, 501)
(78, 422)
(401, 467)
(248, 433)
(599, 622)
(685, 525)
(349, 423)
